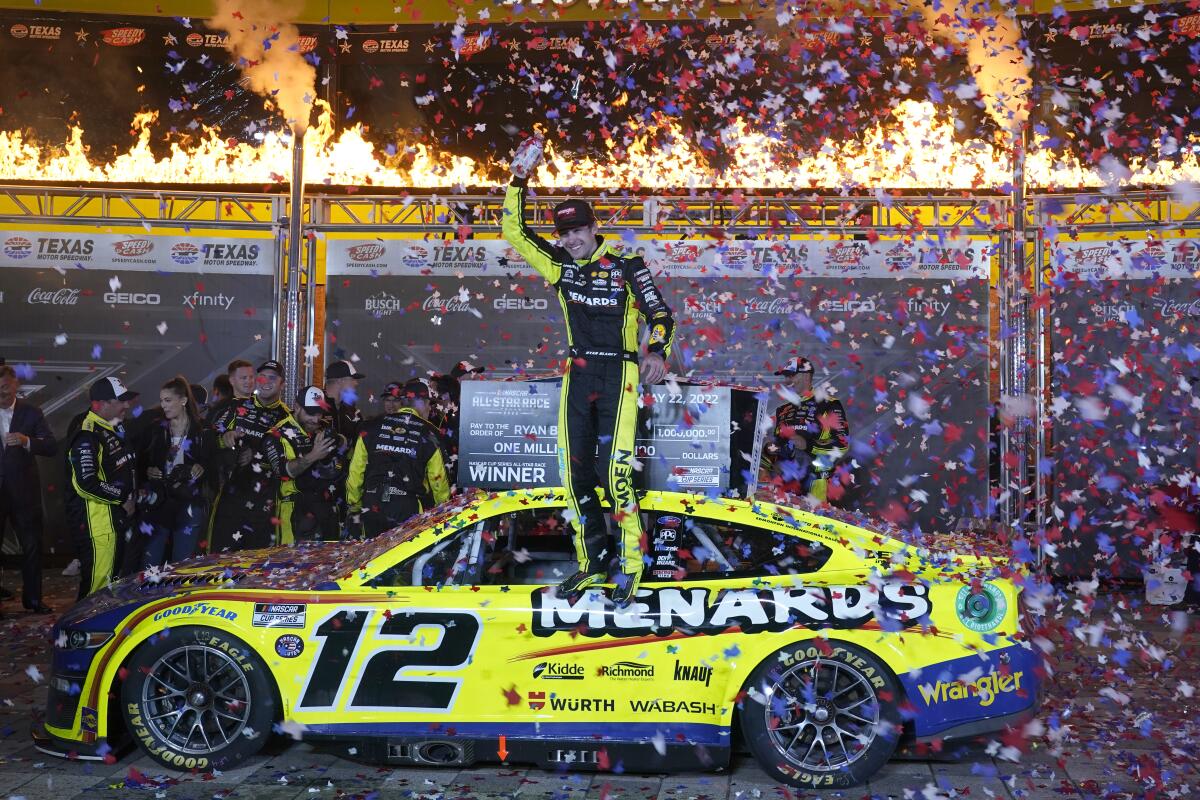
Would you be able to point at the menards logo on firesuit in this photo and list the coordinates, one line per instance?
(662, 611)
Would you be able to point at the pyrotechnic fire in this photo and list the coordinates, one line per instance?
(916, 150)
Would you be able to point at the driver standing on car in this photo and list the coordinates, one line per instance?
(603, 295)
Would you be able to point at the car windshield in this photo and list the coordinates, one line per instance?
(371, 549)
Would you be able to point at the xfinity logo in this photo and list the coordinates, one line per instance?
(938, 307)
(132, 299)
(197, 300)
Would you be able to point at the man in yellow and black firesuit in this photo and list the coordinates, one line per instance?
(603, 296)
(397, 468)
(102, 470)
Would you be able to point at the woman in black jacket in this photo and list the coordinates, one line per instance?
(176, 453)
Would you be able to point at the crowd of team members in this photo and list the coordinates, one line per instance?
(237, 468)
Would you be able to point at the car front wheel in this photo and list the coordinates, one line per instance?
(198, 698)
(821, 716)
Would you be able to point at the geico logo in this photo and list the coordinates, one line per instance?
(985, 689)
(850, 306)
(132, 298)
(576, 297)
(507, 303)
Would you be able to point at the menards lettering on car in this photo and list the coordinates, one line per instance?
(986, 689)
(662, 611)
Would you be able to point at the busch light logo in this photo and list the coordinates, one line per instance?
(17, 247)
(185, 253)
(382, 304)
(415, 256)
(366, 252)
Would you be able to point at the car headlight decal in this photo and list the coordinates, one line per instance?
(84, 640)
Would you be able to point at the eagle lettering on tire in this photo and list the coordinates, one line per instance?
(821, 717)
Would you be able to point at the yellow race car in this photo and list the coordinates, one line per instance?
(817, 643)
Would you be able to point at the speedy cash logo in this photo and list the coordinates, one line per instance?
(17, 247)
(847, 257)
(361, 253)
(123, 37)
(132, 248)
(682, 253)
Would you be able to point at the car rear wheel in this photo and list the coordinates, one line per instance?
(198, 698)
(821, 717)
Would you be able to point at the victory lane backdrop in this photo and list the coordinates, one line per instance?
(80, 306)
(898, 330)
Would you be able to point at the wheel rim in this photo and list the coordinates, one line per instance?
(822, 715)
(197, 699)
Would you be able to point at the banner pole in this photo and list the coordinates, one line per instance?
(292, 317)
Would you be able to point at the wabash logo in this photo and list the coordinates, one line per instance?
(132, 248)
(123, 37)
(366, 252)
(17, 247)
(185, 253)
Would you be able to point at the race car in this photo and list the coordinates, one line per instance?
(816, 642)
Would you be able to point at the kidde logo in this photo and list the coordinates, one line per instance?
(132, 299)
(57, 297)
(550, 671)
(123, 37)
(132, 248)
(17, 247)
(185, 253)
(507, 303)
(365, 252)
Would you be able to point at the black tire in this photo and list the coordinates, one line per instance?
(198, 698)
(821, 717)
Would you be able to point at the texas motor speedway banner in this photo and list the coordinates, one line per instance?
(1125, 331)
(79, 305)
(899, 329)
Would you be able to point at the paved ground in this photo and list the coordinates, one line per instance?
(1122, 721)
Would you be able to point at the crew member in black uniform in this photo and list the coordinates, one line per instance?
(603, 295)
(102, 471)
(316, 464)
(341, 387)
(397, 468)
(244, 511)
(810, 437)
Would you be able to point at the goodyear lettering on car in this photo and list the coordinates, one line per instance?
(198, 610)
(663, 610)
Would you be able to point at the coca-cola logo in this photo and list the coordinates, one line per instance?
(17, 247)
(123, 37)
(366, 252)
(447, 305)
(185, 253)
(1173, 308)
(131, 248)
(53, 297)
(774, 305)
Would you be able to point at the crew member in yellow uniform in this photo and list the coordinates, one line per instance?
(811, 435)
(603, 295)
(100, 509)
(397, 468)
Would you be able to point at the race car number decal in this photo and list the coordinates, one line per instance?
(381, 684)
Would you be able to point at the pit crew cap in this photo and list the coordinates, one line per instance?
(572, 214)
(110, 389)
(795, 366)
(342, 369)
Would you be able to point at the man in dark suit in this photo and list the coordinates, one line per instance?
(23, 435)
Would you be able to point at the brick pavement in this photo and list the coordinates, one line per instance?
(1121, 721)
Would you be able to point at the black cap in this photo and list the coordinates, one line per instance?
(414, 387)
(795, 366)
(464, 368)
(572, 214)
(272, 365)
(392, 390)
(342, 369)
(200, 393)
(110, 389)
